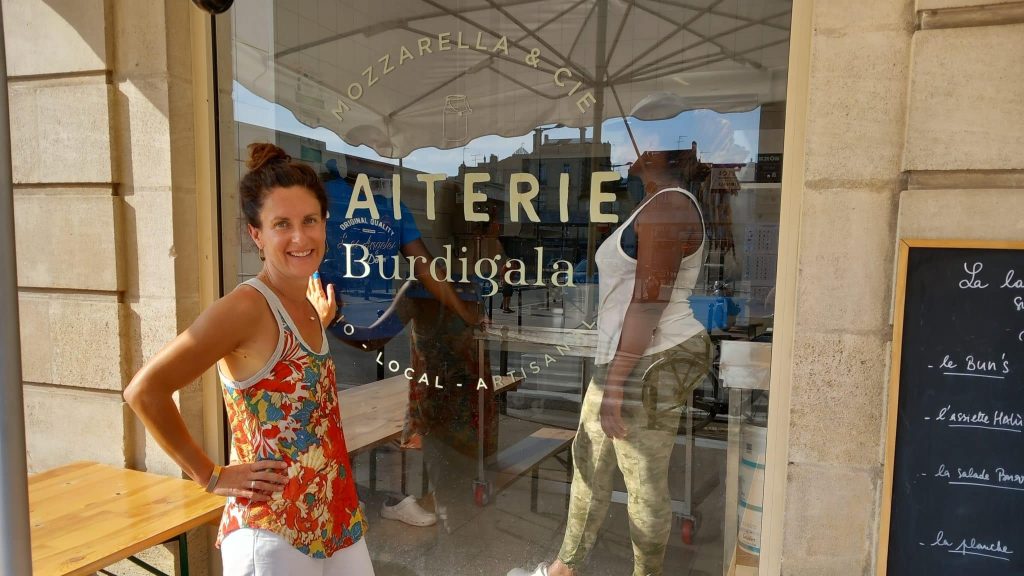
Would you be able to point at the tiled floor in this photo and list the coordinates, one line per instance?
(506, 534)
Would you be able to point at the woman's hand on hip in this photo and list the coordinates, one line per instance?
(255, 481)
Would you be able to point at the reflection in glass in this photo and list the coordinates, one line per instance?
(537, 116)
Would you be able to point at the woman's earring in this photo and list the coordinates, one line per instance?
(262, 257)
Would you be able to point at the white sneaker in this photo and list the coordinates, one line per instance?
(408, 511)
(542, 570)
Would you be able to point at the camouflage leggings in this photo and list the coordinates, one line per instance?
(654, 394)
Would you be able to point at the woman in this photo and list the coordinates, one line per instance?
(651, 351)
(292, 505)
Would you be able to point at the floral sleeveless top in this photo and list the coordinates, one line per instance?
(289, 411)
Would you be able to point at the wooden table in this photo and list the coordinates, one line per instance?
(88, 515)
(573, 341)
(373, 414)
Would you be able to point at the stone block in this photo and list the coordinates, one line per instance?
(830, 517)
(61, 132)
(55, 36)
(942, 4)
(150, 241)
(69, 240)
(846, 260)
(833, 566)
(150, 324)
(190, 403)
(839, 388)
(186, 243)
(153, 39)
(856, 107)
(841, 18)
(35, 333)
(64, 426)
(156, 129)
(142, 111)
(994, 214)
(73, 341)
(961, 113)
(161, 231)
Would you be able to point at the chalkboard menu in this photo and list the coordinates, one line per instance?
(954, 485)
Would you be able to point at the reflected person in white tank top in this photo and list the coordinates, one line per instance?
(637, 294)
(631, 409)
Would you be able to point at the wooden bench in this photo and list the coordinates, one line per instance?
(524, 456)
(87, 515)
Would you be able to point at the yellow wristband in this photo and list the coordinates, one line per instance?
(214, 477)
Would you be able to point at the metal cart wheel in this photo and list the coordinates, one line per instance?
(700, 400)
(481, 494)
(687, 531)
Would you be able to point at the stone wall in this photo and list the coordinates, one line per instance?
(102, 129)
(914, 129)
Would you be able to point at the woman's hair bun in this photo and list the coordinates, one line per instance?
(263, 153)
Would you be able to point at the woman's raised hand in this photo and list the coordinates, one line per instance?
(324, 301)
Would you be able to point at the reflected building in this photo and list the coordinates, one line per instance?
(549, 159)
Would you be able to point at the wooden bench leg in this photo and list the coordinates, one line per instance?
(182, 558)
(147, 567)
(567, 465)
(403, 451)
(423, 477)
(373, 470)
(568, 477)
(183, 553)
(534, 488)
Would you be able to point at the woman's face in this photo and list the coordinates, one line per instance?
(292, 232)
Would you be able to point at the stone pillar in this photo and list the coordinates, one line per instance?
(914, 130)
(860, 54)
(105, 211)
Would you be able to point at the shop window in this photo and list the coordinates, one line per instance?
(584, 137)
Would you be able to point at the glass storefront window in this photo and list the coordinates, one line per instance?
(601, 181)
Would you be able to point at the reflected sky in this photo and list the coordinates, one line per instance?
(721, 138)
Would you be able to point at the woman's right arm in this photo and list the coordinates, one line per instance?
(218, 331)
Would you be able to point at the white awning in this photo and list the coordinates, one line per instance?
(397, 75)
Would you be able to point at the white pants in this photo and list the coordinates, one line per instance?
(247, 552)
